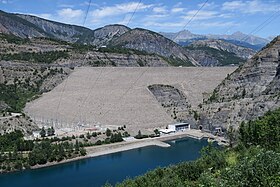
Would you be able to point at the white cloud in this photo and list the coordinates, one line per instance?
(68, 13)
(126, 19)
(66, 6)
(208, 5)
(202, 15)
(179, 4)
(165, 25)
(118, 9)
(4, 1)
(45, 16)
(251, 7)
(177, 10)
(159, 10)
(156, 16)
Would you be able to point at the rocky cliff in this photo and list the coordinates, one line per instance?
(65, 32)
(12, 24)
(248, 93)
(102, 36)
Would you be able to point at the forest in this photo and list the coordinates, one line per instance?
(17, 153)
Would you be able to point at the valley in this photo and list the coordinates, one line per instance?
(136, 98)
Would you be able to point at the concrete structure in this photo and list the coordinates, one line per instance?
(179, 127)
(36, 134)
(119, 96)
(166, 131)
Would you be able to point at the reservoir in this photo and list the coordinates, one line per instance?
(110, 168)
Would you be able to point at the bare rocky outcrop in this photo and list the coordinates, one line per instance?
(11, 123)
(172, 100)
(103, 35)
(248, 93)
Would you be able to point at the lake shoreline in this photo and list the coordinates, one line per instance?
(95, 151)
(100, 150)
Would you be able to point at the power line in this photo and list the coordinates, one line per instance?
(63, 89)
(89, 4)
(134, 12)
(191, 19)
(83, 103)
(262, 25)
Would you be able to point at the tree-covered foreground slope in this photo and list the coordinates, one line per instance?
(254, 161)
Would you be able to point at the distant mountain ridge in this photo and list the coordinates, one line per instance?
(120, 36)
(222, 45)
(186, 37)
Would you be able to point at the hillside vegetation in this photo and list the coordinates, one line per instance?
(254, 161)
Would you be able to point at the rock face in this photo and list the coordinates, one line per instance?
(249, 92)
(125, 60)
(151, 42)
(104, 35)
(22, 123)
(65, 32)
(172, 100)
(218, 53)
(11, 24)
(221, 45)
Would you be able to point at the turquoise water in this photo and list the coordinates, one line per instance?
(111, 168)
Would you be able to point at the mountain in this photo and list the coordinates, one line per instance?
(213, 52)
(31, 26)
(182, 36)
(152, 42)
(78, 34)
(186, 37)
(103, 35)
(221, 45)
(26, 26)
(247, 93)
(120, 36)
(12, 24)
(239, 36)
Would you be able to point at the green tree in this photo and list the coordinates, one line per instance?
(108, 132)
(43, 132)
(156, 131)
(231, 135)
(83, 152)
(51, 131)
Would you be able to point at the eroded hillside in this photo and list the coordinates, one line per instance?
(248, 93)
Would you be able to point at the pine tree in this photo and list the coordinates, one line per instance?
(43, 132)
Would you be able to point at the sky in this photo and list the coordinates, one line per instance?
(216, 17)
